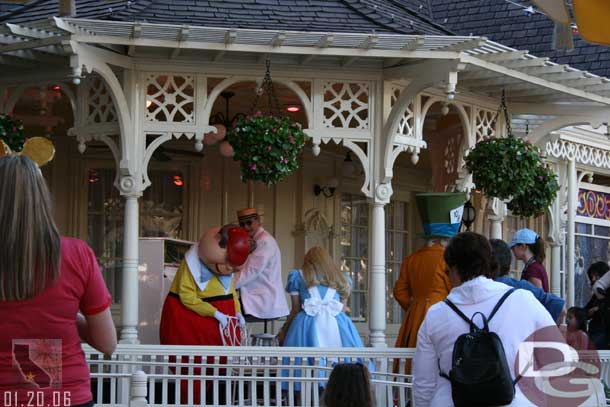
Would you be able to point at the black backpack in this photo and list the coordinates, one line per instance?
(479, 374)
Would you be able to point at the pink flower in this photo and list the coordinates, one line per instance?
(285, 161)
(527, 149)
(258, 113)
(291, 139)
(269, 148)
(274, 130)
(253, 167)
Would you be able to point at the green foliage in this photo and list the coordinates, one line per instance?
(511, 169)
(11, 132)
(537, 200)
(267, 147)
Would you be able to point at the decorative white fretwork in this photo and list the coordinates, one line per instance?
(581, 153)
(451, 155)
(405, 125)
(170, 98)
(484, 125)
(100, 108)
(346, 105)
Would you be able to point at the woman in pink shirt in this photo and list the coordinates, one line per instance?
(45, 281)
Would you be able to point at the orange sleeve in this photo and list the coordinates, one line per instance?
(402, 291)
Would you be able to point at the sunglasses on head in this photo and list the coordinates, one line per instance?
(246, 223)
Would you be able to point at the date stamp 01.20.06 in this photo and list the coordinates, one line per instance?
(36, 398)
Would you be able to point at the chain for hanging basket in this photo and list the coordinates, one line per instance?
(273, 104)
(503, 109)
(268, 144)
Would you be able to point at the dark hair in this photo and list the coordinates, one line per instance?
(501, 258)
(349, 385)
(470, 253)
(537, 249)
(581, 317)
(597, 269)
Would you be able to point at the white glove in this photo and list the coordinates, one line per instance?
(240, 318)
(222, 319)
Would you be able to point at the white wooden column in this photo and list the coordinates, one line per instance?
(377, 276)
(130, 295)
(496, 214)
(572, 200)
(556, 268)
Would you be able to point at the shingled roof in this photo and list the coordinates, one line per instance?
(358, 16)
(508, 24)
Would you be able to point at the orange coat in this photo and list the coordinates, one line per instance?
(422, 283)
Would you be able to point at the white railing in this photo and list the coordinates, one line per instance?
(158, 375)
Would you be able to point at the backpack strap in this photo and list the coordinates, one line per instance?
(499, 304)
(457, 310)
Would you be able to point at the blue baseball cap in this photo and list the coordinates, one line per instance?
(523, 236)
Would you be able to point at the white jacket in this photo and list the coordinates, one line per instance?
(519, 316)
(260, 280)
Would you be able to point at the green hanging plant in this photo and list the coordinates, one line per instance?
(535, 201)
(504, 167)
(11, 132)
(512, 169)
(267, 147)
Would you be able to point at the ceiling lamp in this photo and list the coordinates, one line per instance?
(293, 108)
(178, 180)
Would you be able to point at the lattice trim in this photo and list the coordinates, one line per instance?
(100, 107)
(484, 124)
(346, 105)
(170, 98)
(583, 154)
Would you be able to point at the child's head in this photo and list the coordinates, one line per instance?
(597, 270)
(349, 385)
(319, 268)
(577, 319)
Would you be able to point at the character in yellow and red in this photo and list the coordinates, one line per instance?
(202, 307)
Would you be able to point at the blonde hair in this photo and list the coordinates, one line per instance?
(30, 248)
(319, 268)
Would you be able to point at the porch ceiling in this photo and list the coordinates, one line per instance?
(489, 66)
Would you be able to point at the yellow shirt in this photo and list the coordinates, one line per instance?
(193, 298)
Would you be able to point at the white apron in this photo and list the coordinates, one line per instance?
(324, 311)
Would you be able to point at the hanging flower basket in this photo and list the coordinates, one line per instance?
(267, 147)
(11, 132)
(511, 169)
(535, 201)
(504, 167)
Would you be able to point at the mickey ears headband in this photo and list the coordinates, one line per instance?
(38, 149)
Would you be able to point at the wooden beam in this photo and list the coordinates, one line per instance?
(464, 45)
(502, 56)
(414, 44)
(348, 61)
(38, 57)
(16, 62)
(305, 59)
(44, 44)
(524, 63)
(369, 42)
(230, 38)
(278, 39)
(325, 41)
(136, 32)
(28, 32)
(182, 36)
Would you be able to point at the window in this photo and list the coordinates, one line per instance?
(354, 240)
(592, 245)
(160, 216)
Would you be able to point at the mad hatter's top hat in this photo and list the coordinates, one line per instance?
(441, 213)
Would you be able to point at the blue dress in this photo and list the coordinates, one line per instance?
(303, 331)
(337, 328)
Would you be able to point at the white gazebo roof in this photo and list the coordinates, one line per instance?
(487, 66)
